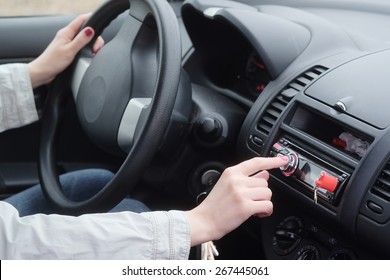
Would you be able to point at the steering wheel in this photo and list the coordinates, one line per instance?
(124, 97)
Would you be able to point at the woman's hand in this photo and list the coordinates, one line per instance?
(61, 51)
(237, 195)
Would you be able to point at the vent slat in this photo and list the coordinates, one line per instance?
(381, 187)
(268, 120)
(386, 171)
(274, 113)
(297, 86)
(318, 70)
(264, 128)
(312, 75)
(277, 107)
(304, 80)
(384, 182)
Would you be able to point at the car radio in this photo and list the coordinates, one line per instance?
(308, 171)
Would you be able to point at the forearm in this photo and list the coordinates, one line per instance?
(124, 235)
(17, 99)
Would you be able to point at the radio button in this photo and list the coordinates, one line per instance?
(290, 168)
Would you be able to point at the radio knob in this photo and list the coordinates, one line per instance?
(292, 165)
(288, 234)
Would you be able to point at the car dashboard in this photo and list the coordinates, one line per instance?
(302, 78)
(313, 79)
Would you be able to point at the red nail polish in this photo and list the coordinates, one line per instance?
(88, 32)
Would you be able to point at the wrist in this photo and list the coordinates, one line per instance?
(38, 75)
(202, 229)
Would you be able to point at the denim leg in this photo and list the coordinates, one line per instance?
(78, 186)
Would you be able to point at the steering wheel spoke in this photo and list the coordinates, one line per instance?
(80, 68)
(131, 121)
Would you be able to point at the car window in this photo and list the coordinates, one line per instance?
(46, 7)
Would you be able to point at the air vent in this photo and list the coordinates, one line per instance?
(306, 78)
(277, 105)
(274, 110)
(381, 187)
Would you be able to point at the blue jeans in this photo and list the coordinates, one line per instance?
(78, 186)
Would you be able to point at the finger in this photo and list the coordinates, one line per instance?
(257, 164)
(258, 194)
(252, 182)
(75, 25)
(81, 39)
(79, 21)
(262, 174)
(251, 198)
(262, 208)
(99, 43)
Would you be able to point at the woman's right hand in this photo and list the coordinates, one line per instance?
(237, 195)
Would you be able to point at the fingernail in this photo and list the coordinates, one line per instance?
(284, 158)
(96, 51)
(88, 32)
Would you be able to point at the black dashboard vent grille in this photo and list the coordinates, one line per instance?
(381, 187)
(278, 104)
(273, 112)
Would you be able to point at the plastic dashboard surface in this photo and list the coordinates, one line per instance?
(325, 99)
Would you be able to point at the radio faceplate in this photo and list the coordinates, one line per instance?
(310, 172)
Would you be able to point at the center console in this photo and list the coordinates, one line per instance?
(309, 193)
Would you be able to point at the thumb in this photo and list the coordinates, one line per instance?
(82, 38)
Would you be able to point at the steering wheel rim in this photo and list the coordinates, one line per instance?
(153, 118)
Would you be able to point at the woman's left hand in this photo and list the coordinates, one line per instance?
(61, 51)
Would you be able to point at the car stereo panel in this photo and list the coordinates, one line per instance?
(309, 172)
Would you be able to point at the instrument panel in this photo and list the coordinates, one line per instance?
(245, 74)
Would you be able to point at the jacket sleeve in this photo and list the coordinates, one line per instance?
(17, 105)
(122, 235)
